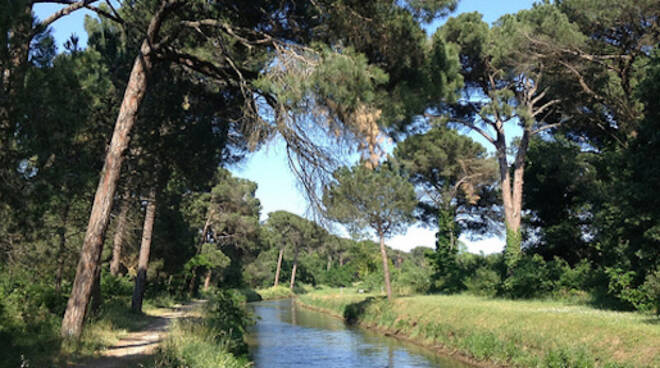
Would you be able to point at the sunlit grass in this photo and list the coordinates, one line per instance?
(272, 293)
(520, 333)
(193, 344)
(113, 322)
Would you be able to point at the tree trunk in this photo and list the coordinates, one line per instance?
(293, 270)
(386, 267)
(329, 263)
(72, 323)
(512, 198)
(279, 267)
(193, 280)
(97, 295)
(207, 280)
(120, 232)
(145, 248)
(341, 259)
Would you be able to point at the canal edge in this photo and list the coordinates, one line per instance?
(435, 348)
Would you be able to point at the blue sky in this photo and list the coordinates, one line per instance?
(278, 189)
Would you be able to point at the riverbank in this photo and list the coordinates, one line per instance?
(504, 332)
(274, 293)
(214, 337)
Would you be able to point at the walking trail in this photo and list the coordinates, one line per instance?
(136, 347)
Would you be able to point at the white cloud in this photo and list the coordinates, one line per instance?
(418, 235)
(487, 245)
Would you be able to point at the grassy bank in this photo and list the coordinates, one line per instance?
(194, 344)
(37, 343)
(272, 293)
(505, 332)
(213, 339)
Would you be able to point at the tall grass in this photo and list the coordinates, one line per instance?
(195, 344)
(272, 293)
(214, 340)
(512, 333)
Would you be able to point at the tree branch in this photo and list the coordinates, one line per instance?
(72, 6)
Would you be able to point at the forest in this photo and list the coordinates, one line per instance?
(117, 196)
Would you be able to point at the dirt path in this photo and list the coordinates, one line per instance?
(137, 347)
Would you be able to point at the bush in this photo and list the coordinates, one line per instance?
(215, 341)
(337, 277)
(577, 278)
(651, 288)
(374, 282)
(226, 314)
(484, 282)
(116, 286)
(29, 320)
(412, 279)
(196, 345)
(531, 277)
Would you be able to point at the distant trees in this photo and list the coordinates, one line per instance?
(454, 177)
(376, 198)
(226, 219)
(297, 234)
(230, 55)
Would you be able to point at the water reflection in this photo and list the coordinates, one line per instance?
(289, 336)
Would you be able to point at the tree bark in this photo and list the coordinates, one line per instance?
(512, 193)
(329, 266)
(72, 323)
(207, 280)
(97, 295)
(145, 248)
(279, 267)
(120, 232)
(193, 279)
(293, 270)
(386, 267)
(341, 259)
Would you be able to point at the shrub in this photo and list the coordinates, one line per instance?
(484, 282)
(337, 276)
(531, 277)
(372, 282)
(578, 277)
(412, 278)
(651, 288)
(227, 316)
(215, 341)
(114, 286)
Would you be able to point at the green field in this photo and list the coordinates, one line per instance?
(505, 332)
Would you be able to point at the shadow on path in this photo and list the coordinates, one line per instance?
(139, 346)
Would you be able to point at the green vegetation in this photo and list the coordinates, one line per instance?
(376, 198)
(30, 333)
(516, 333)
(275, 292)
(114, 179)
(213, 340)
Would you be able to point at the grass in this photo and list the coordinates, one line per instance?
(193, 344)
(278, 292)
(41, 346)
(505, 332)
(112, 322)
(212, 338)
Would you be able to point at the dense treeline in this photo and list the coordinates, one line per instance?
(114, 155)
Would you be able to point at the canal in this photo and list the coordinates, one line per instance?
(287, 335)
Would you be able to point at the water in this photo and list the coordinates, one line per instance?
(287, 335)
